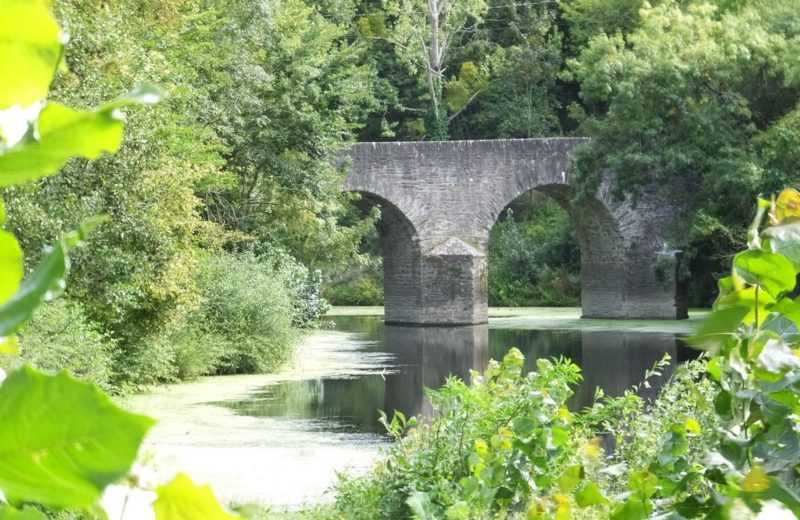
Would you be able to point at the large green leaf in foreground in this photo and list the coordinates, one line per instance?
(30, 47)
(62, 441)
(64, 132)
(181, 499)
(10, 265)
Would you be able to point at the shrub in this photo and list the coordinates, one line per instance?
(534, 258)
(364, 290)
(305, 288)
(193, 351)
(248, 308)
(59, 336)
(466, 457)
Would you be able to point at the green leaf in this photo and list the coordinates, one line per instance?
(11, 265)
(590, 495)
(787, 308)
(46, 280)
(718, 328)
(756, 300)
(643, 483)
(181, 499)
(714, 368)
(63, 441)
(784, 327)
(570, 478)
(27, 513)
(524, 426)
(771, 271)
(65, 132)
(785, 239)
(458, 511)
(673, 445)
(31, 50)
(630, 510)
(777, 357)
(421, 506)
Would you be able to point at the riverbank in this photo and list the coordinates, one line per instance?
(277, 440)
(261, 460)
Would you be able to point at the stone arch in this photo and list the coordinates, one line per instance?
(400, 250)
(602, 248)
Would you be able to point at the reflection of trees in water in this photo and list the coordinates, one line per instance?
(617, 361)
(612, 360)
(536, 344)
(371, 325)
(352, 402)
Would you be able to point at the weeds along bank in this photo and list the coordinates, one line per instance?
(248, 316)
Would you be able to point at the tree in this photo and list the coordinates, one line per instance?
(693, 99)
(424, 33)
(302, 92)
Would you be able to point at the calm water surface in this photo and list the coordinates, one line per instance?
(423, 357)
(279, 439)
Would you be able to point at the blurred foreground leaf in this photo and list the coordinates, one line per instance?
(181, 499)
(62, 441)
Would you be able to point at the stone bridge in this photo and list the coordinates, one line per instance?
(439, 201)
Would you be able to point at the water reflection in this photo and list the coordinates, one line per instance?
(427, 356)
(423, 357)
(341, 405)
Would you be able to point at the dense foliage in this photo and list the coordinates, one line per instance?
(701, 96)
(236, 159)
(534, 256)
(222, 203)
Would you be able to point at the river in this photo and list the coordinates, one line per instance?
(279, 439)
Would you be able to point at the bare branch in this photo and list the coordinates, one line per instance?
(470, 100)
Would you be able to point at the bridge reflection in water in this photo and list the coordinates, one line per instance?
(410, 358)
(612, 360)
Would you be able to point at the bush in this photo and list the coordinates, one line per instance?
(498, 448)
(438, 466)
(305, 288)
(246, 307)
(59, 336)
(364, 290)
(245, 321)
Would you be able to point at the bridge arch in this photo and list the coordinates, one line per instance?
(449, 195)
(402, 278)
(601, 244)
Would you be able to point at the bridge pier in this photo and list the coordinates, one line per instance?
(452, 288)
